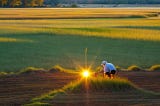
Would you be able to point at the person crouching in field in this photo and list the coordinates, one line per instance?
(108, 69)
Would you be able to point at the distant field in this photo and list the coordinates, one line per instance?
(52, 13)
(44, 43)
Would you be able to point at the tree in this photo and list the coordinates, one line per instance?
(3, 3)
(40, 3)
(33, 3)
(15, 3)
(52, 2)
(24, 3)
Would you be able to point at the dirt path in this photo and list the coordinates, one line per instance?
(17, 90)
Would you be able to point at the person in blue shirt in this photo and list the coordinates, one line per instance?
(108, 69)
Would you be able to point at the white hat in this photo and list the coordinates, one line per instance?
(103, 62)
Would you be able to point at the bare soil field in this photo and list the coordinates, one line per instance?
(105, 99)
(20, 89)
(146, 80)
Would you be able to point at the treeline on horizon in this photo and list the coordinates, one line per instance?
(54, 3)
(110, 1)
(21, 3)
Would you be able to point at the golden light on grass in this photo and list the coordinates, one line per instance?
(74, 13)
(6, 39)
(137, 29)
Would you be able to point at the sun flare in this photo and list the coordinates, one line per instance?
(86, 73)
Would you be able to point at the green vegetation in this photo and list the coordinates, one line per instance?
(45, 43)
(37, 104)
(134, 68)
(34, 70)
(61, 69)
(154, 68)
(57, 68)
(118, 68)
(68, 51)
(110, 1)
(48, 96)
(31, 70)
(100, 85)
(3, 73)
(56, 3)
(21, 3)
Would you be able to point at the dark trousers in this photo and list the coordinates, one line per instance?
(110, 74)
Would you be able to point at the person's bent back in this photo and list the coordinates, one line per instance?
(109, 69)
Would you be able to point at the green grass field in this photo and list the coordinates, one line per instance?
(48, 42)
